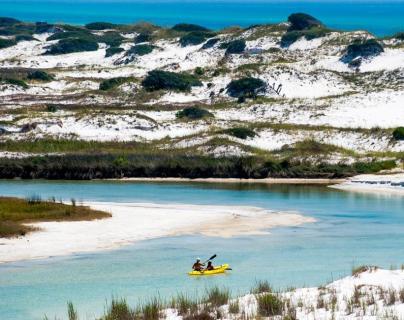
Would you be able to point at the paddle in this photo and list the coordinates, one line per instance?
(211, 258)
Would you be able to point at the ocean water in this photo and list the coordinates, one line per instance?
(352, 229)
(381, 17)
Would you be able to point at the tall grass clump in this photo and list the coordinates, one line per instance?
(119, 310)
(269, 305)
(262, 286)
(71, 312)
(184, 304)
(150, 310)
(217, 297)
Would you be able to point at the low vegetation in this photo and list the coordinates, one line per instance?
(113, 83)
(111, 51)
(195, 37)
(15, 82)
(140, 49)
(40, 75)
(15, 212)
(240, 132)
(398, 133)
(269, 305)
(210, 43)
(193, 113)
(100, 25)
(302, 21)
(71, 45)
(303, 25)
(166, 80)
(246, 87)
(186, 27)
(362, 48)
(234, 47)
(143, 37)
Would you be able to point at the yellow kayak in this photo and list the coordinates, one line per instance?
(217, 270)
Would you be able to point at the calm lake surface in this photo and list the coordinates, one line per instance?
(382, 17)
(352, 229)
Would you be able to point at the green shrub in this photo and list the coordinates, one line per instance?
(240, 132)
(234, 47)
(193, 113)
(185, 27)
(24, 37)
(112, 83)
(16, 82)
(39, 75)
(72, 45)
(143, 37)
(5, 43)
(158, 79)
(199, 71)
(6, 21)
(246, 87)
(210, 43)
(111, 38)
(100, 25)
(292, 36)
(269, 305)
(78, 34)
(140, 49)
(399, 36)
(367, 48)
(195, 38)
(302, 21)
(398, 133)
(111, 51)
(51, 108)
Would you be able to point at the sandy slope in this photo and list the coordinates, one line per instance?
(139, 221)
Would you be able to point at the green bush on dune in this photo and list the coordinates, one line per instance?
(158, 79)
(100, 25)
(195, 38)
(234, 47)
(240, 132)
(5, 43)
(140, 49)
(186, 27)
(194, 113)
(72, 45)
(245, 87)
(303, 25)
(143, 37)
(111, 51)
(39, 75)
(398, 133)
(112, 83)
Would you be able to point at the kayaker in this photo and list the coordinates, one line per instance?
(198, 265)
(210, 266)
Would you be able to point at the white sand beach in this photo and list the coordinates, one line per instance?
(374, 183)
(139, 221)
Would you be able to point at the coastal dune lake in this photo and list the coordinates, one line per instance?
(351, 229)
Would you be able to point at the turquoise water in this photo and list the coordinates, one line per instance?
(352, 229)
(379, 17)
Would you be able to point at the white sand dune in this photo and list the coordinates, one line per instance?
(139, 221)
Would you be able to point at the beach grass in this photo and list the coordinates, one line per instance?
(15, 213)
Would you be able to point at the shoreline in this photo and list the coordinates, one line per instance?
(387, 184)
(301, 181)
(132, 222)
